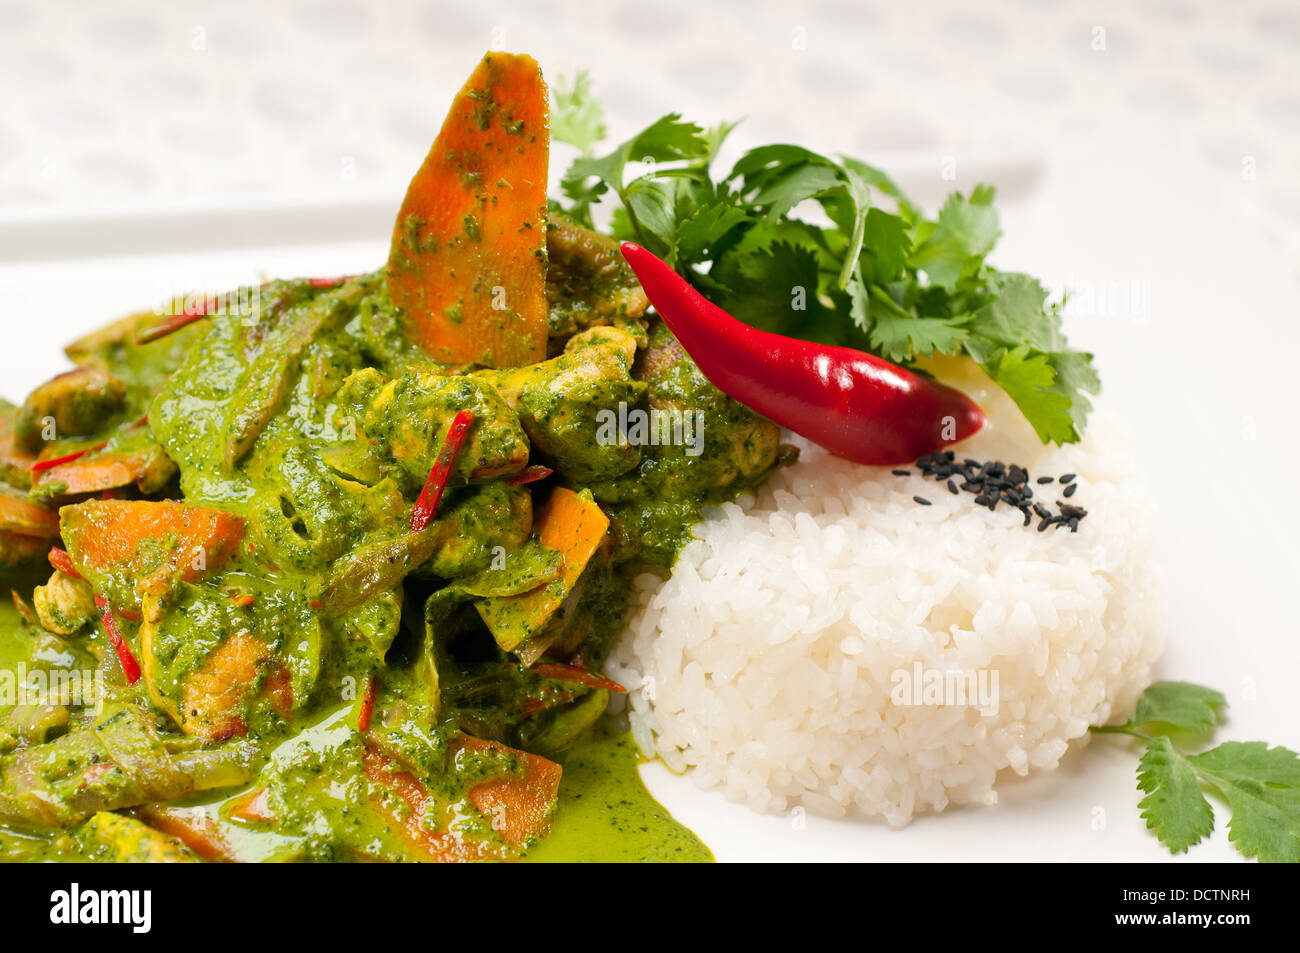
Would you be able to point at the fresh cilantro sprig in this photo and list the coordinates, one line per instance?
(870, 271)
(1261, 785)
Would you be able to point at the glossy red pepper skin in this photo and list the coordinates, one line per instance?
(856, 405)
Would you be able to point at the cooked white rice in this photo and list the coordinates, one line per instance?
(765, 664)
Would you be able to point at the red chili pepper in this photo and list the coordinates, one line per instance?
(327, 282)
(427, 504)
(61, 561)
(367, 704)
(529, 475)
(562, 672)
(41, 465)
(130, 667)
(178, 320)
(856, 405)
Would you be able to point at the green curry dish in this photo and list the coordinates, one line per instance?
(294, 661)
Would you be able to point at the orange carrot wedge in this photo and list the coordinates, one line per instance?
(519, 805)
(192, 827)
(467, 268)
(151, 542)
(24, 517)
(571, 523)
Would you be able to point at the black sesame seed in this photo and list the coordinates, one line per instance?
(1068, 478)
(922, 500)
(1042, 511)
(1069, 490)
(901, 472)
(1046, 479)
(952, 488)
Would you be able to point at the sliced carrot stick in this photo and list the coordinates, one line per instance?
(25, 517)
(467, 268)
(93, 472)
(184, 541)
(573, 524)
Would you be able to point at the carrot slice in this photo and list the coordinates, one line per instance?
(576, 526)
(519, 804)
(192, 827)
(24, 517)
(427, 503)
(183, 541)
(467, 268)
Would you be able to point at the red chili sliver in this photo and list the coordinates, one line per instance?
(327, 282)
(530, 475)
(367, 704)
(42, 465)
(130, 667)
(560, 672)
(431, 495)
(178, 320)
(61, 561)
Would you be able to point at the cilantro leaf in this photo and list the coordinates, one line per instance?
(1182, 706)
(965, 232)
(1174, 807)
(1262, 786)
(900, 335)
(888, 243)
(576, 115)
(1029, 379)
(880, 277)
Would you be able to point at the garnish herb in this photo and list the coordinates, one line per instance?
(880, 277)
(1261, 785)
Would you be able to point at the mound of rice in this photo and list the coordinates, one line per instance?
(769, 663)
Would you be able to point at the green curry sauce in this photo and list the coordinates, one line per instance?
(302, 426)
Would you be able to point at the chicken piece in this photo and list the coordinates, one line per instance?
(117, 839)
(73, 404)
(408, 416)
(64, 604)
(587, 281)
(565, 402)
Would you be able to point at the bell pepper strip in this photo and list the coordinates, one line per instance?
(427, 502)
(530, 475)
(856, 405)
(49, 463)
(177, 320)
(562, 672)
(575, 525)
(130, 667)
(366, 710)
(60, 560)
(467, 268)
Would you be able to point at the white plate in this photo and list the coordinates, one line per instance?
(1199, 361)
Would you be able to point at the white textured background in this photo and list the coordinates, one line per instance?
(1148, 155)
